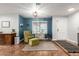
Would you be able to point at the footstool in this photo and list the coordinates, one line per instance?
(33, 41)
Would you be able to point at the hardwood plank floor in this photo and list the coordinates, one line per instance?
(16, 50)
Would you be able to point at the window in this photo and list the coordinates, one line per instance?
(39, 27)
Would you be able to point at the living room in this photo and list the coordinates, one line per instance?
(37, 28)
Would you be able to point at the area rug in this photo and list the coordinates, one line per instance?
(69, 47)
(44, 45)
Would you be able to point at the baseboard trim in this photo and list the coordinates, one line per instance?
(71, 41)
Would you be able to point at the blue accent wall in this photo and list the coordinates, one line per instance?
(27, 25)
(21, 29)
(49, 26)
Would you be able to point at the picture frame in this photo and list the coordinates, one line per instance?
(5, 24)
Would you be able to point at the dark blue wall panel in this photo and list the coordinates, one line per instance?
(27, 24)
(21, 29)
(49, 26)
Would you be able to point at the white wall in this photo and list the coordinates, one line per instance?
(61, 24)
(73, 27)
(14, 22)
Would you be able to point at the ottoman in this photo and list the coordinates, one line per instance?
(33, 41)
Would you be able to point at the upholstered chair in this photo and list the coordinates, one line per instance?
(27, 36)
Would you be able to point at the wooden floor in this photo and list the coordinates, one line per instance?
(16, 50)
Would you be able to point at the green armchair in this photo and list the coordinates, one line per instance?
(27, 36)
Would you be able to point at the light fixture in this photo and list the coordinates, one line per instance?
(21, 25)
(35, 13)
(71, 9)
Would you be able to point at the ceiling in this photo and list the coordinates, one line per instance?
(44, 9)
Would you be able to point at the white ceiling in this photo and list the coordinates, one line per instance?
(45, 9)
